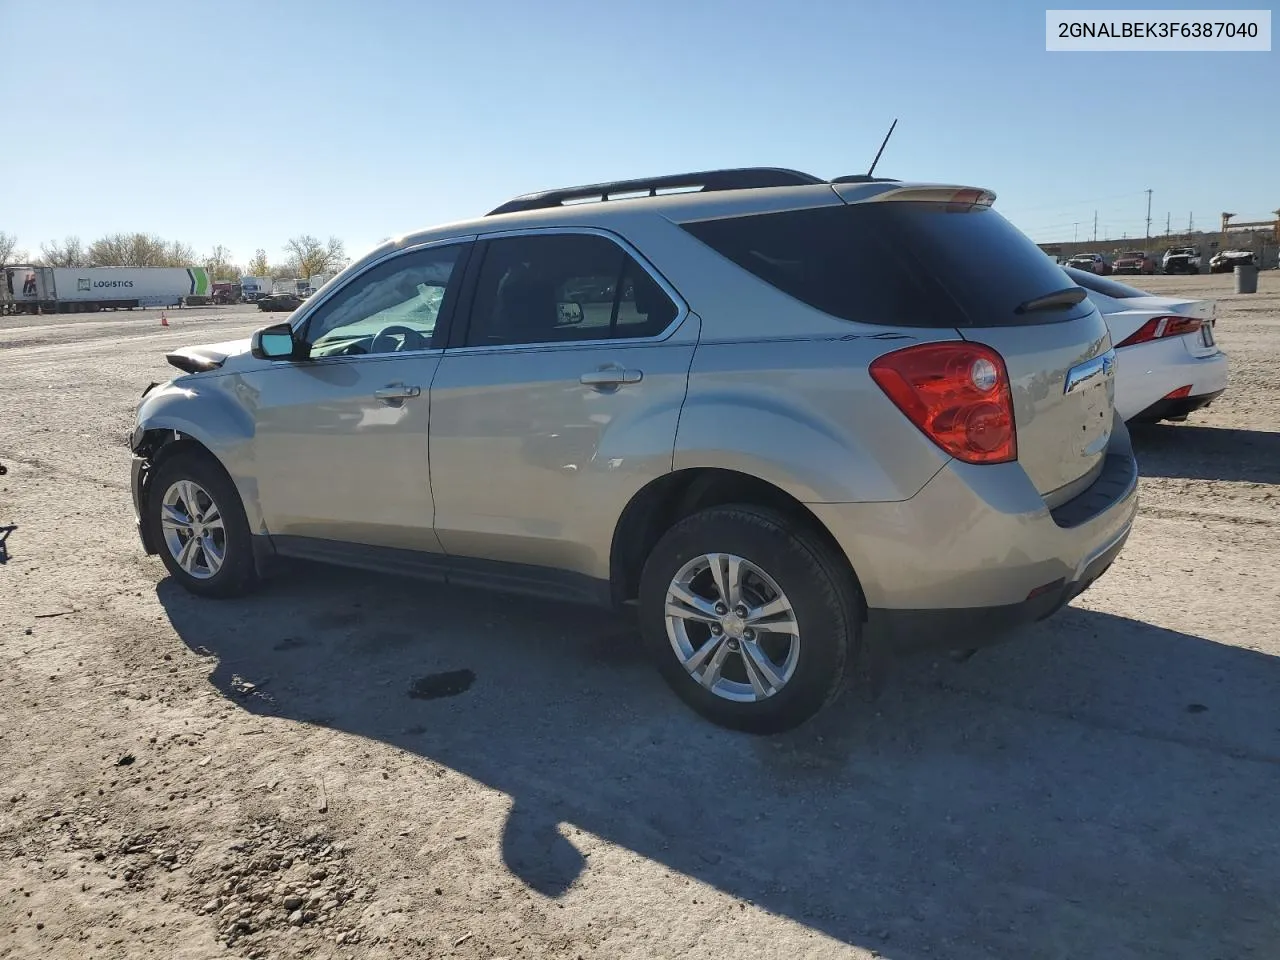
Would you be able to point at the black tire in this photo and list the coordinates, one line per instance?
(824, 596)
(238, 573)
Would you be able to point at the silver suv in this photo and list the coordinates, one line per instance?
(790, 420)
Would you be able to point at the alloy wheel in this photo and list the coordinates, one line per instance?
(732, 627)
(193, 530)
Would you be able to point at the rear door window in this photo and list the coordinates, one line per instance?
(553, 288)
(896, 263)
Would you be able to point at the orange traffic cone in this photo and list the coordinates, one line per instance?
(164, 321)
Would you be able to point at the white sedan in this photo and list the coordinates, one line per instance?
(1168, 363)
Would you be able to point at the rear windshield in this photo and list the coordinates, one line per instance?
(896, 263)
(1110, 288)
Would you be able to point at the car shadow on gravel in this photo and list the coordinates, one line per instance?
(1096, 787)
(1206, 453)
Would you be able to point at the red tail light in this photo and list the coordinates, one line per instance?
(1179, 393)
(957, 393)
(1157, 328)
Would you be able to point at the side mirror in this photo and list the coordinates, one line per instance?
(569, 313)
(275, 342)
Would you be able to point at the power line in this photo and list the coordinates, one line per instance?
(1062, 204)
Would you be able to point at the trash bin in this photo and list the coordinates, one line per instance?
(1246, 278)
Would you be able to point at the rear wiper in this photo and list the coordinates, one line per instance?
(1059, 300)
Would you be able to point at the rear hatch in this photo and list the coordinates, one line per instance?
(942, 258)
(1000, 290)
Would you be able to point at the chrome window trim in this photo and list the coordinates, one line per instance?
(313, 305)
(682, 308)
(370, 357)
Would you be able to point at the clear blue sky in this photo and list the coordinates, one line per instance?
(244, 123)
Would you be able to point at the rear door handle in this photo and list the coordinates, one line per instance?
(396, 391)
(610, 377)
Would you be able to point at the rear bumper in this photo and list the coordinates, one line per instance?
(1148, 372)
(1179, 408)
(977, 551)
(968, 627)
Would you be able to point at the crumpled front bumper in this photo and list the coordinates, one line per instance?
(139, 472)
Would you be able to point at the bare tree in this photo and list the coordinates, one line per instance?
(338, 258)
(9, 252)
(179, 255)
(310, 257)
(69, 253)
(219, 266)
(259, 266)
(123, 250)
(140, 250)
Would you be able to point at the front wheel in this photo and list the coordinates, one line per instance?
(751, 618)
(198, 523)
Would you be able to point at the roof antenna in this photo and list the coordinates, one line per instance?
(883, 143)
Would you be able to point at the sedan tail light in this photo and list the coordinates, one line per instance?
(957, 393)
(1157, 328)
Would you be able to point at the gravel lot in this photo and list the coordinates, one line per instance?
(351, 766)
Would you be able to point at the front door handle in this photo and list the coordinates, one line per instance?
(396, 391)
(610, 377)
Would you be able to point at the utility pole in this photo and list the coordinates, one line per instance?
(1095, 226)
(1075, 231)
(1148, 213)
(1191, 222)
(1168, 224)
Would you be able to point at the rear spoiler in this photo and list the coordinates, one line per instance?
(928, 192)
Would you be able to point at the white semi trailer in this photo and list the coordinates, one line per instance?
(255, 288)
(302, 286)
(79, 289)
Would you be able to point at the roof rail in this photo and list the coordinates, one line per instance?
(741, 178)
(863, 178)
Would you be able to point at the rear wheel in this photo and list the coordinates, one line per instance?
(751, 619)
(199, 525)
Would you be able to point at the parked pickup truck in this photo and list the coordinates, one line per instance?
(1133, 261)
(1091, 263)
(1182, 260)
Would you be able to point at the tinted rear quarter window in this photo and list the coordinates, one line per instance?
(896, 263)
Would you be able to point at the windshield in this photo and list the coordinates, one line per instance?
(1110, 288)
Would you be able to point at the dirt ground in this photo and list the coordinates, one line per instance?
(345, 765)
